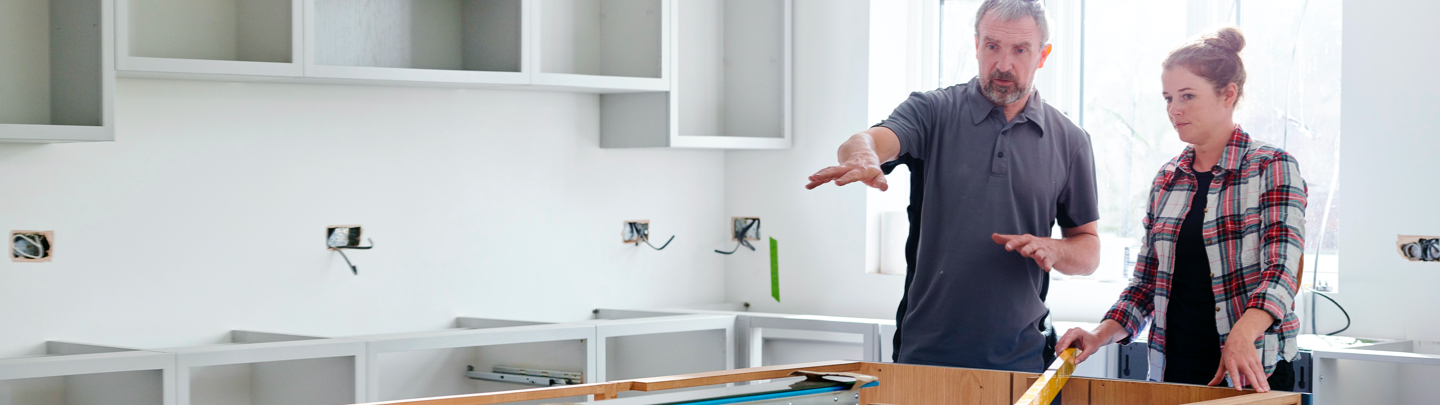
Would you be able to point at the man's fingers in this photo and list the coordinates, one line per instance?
(829, 173)
(825, 176)
(851, 176)
(1001, 239)
(1029, 250)
(878, 182)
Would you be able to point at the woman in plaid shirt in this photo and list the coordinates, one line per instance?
(1224, 233)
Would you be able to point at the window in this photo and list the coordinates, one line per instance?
(1292, 97)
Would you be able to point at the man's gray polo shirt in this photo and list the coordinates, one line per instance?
(973, 304)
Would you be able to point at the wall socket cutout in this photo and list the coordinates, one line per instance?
(342, 236)
(1419, 248)
(636, 231)
(738, 228)
(32, 246)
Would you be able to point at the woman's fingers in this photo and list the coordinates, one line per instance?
(1236, 377)
(1257, 377)
(1219, 376)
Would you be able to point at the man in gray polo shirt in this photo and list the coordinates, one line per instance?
(1000, 168)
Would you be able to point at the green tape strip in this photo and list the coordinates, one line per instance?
(774, 270)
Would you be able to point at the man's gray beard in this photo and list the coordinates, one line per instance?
(993, 93)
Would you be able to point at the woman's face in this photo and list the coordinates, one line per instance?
(1197, 111)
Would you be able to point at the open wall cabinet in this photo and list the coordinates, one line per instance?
(57, 71)
(731, 85)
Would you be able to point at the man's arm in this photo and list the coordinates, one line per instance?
(1078, 254)
(860, 158)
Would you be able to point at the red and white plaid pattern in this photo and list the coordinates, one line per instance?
(1254, 235)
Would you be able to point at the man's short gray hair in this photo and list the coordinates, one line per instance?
(1011, 10)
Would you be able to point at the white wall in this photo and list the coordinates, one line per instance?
(207, 214)
(1388, 121)
(821, 232)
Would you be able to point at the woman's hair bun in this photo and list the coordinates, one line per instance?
(1228, 38)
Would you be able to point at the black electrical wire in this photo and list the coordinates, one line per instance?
(667, 243)
(1337, 305)
(740, 236)
(644, 236)
(347, 262)
(347, 258)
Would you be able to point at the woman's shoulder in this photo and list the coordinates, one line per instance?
(1167, 170)
(1262, 156)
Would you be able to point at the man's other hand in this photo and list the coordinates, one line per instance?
(861, 168)
(1044, 251)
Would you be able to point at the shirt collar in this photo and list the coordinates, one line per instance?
(1230, 158)
(981, 107)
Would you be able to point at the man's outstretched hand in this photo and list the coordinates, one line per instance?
(1044, 251)
(864, 169)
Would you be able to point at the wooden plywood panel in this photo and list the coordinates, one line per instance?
(921, 385)
(1108, 392)
(1076, 392)
(1268, 398)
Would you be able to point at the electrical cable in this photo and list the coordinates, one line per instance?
(347, 262)
(1337, 305)
(740, 236)
(644, 236)
(667, 243)
(354, 270)
(21, 251)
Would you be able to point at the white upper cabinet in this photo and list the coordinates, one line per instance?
(604, 46)
(455, 42)
(731, 87)
(175, 38)
(670, 73)
(57, 74)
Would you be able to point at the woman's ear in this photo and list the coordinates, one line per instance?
(1231, 95)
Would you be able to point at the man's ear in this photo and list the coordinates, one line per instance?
(1044, 54)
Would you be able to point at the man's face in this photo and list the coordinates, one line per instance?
(1009, 53)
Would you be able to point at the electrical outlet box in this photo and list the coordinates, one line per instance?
(747, 227)
(32, 246)
(1419, 248)
(342, 236)
(636, 231)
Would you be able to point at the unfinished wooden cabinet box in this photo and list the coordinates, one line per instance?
(897, 384)
(57, 71)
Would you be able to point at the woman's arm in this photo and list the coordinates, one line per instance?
(1282, 237)
(1282, 241)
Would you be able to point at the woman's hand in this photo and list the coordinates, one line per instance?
(1090, 341)
(1238, 359)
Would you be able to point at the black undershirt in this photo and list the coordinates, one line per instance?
(1192, 344)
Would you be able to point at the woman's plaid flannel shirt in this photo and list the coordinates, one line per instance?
(1254, 235)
